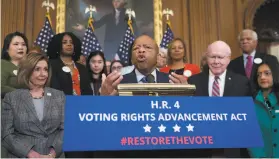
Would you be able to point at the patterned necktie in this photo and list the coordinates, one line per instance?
(216, 88)
(144, 80)
(249, 66)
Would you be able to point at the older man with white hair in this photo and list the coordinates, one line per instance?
(220, 82)
(246, 64)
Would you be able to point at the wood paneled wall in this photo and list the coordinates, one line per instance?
(26, 16)
(201, 22)
(198, 22)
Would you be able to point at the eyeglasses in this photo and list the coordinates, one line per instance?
(265, 73)
(217, 57)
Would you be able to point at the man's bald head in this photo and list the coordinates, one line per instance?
(218, 57)
(219, 46)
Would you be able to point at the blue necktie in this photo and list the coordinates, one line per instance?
(144, 80)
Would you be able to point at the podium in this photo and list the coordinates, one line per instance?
(110, 123)
(156, 89)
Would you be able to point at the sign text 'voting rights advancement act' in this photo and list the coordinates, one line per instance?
(137, 123)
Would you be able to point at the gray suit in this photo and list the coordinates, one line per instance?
(23, 131)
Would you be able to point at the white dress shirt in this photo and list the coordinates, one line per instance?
(221, 82)
(246, 55)
(140, 76)
(117, 13)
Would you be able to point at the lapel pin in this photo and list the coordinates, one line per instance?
(230, 78)
(187, 73)
(66, 69)
(15, 72)
(258, 60)
(48, 94)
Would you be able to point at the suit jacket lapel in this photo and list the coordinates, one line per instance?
(159, 77)
(204, 83)
(257, 55)
(47, 100)
(242, 66)
(133, 77)
(29, 105)
(228, 84)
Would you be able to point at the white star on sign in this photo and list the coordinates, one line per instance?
(176, 128)
(190, 128)
(147, 128)
(162, 128)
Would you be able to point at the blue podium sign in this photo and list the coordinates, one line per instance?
(148, 122)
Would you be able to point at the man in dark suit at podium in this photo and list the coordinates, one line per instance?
(144, 57)
(246, 64)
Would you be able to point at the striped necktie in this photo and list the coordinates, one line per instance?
(216, 88)
(248, 67)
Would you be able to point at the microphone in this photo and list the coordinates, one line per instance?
(150, 78)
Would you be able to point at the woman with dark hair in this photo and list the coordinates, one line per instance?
(96, 66)
(176, 60)
(116, 65)
(14, 49)
(266, 99)
(68, 75)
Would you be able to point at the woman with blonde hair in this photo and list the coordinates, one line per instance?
(33, 117)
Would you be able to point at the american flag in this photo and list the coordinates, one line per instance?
(90, 42)
(45, 35)
(123, 53)
(167, 38)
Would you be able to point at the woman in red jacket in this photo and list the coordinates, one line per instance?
(177, 60)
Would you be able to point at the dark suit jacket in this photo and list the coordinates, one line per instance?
(132, 78)
(63, 80)
(114, 34)
(23, 131)
(237, 65)
(235, 85)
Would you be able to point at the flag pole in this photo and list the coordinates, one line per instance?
(130, 14)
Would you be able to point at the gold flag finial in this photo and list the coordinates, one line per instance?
(168, 12)
(48, 5)
(130, 13)
(90, 9)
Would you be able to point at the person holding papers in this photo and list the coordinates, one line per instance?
(267, 109)
(144, 58)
